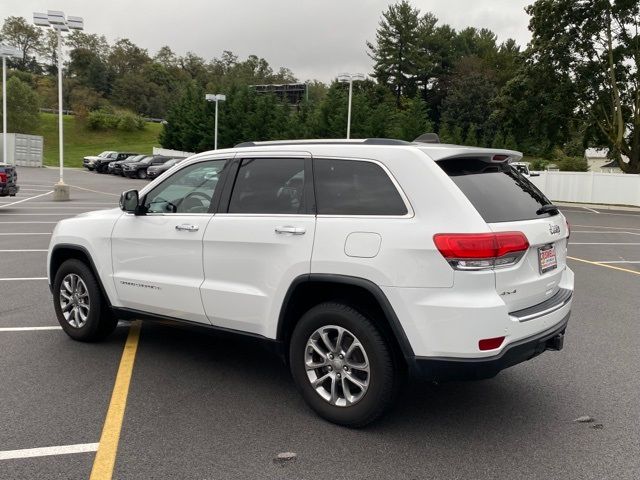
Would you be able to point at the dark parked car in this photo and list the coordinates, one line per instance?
(101, 165)
(8, 180)
(139, 169)
(116, 167)
(156, 170)
(89, 161)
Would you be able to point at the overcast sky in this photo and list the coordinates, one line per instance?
(314, 38)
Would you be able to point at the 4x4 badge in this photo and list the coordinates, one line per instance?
(554, 229)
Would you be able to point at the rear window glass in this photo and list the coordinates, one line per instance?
(351, 187)
(499, 192)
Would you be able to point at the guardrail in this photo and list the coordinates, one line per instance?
(590, 187)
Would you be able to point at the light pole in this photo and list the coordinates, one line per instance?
(349, 78)
(59, 23)
(218, 97)
(6, 51)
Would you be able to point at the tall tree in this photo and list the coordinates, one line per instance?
(16, 31)
(395, 51)
(595, 44)
(22, 107)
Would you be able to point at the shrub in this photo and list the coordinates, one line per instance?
(104, 120)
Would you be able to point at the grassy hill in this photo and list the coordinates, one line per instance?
(80, 141)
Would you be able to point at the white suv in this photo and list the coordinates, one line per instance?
(357, 260)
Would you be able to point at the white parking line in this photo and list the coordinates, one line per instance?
(19, 279)
(26, 199)
(31, 250)
(29, 329)
(28, 223)
(40, 214)
(602, 226)
(618, 261)
(591, 210)
(95, 191)
(61, 207)
(48, 451)
(26, 233)
(598, 243)
(606, 233)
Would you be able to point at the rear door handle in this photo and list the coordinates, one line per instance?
(187, 227)
(291, 230)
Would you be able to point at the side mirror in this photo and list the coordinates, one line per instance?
(130, 202)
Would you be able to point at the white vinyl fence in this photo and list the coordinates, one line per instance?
(171, 153)
(590, 187)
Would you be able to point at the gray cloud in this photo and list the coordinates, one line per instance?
(315, 39)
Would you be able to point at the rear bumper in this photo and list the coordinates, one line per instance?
(443, 368)
(8, 190)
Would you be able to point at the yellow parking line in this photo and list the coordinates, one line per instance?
(604, 265)
(106, 456)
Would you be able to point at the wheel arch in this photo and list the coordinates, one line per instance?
(67, 251)
(359, 293)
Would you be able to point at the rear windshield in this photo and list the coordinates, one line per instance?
(499, 192)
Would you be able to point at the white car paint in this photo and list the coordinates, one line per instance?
(234, 271)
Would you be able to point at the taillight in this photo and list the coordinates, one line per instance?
(3, 177)
(478, 251)
(490, 343)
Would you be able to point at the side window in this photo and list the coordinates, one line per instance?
(189, 190)
(352, 187)
(269, 185)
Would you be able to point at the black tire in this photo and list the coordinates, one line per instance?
(384, 374)
(100, 321)
(142, 174)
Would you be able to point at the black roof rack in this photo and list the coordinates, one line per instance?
(366, 141)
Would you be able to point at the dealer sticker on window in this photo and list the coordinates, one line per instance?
(547, 258)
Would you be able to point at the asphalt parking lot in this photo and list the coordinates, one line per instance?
(206, 407)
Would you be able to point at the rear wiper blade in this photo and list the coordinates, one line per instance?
(548, 208)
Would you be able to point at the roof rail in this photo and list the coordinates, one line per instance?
(366, 141)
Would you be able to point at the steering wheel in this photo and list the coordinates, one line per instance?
(195, 200)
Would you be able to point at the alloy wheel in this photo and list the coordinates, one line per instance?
(337, 365)
(74, 300)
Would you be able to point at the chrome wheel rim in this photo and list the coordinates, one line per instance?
(337, 365)
(74, 300)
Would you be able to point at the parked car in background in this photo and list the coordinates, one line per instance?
(8, 180)
(523, 168)
(155, 171)
(88, 162)
(101, 165)
(139, 169)
(116, 167)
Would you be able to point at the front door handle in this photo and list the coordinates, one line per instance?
(291, 230)
(187, 227)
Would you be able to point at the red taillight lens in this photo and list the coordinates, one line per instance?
(476, 251)
(3, 177)
(490, 343)
(479, 245)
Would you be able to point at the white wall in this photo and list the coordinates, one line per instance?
(171, 153)
(590, 187)
(23, 150)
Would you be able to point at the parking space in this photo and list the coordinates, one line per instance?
(207, 406)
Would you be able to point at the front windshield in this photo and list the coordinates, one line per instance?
(146, 160)
(135, 158)
(105, 153)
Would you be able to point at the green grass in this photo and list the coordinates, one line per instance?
(80, 141)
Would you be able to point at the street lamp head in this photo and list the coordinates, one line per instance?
(8, 51)
(211, 97)
(41, 19)
(350, 77)
(57, 20)
(75, 23)
(56, 17)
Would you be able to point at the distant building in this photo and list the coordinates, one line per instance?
(293, 93)
(598, 161)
